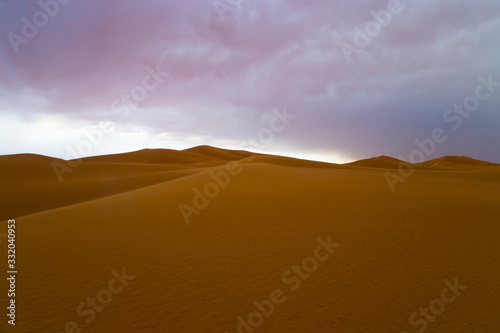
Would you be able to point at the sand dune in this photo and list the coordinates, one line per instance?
(396, 249)
(289, 162)
(445, 162)
(199, 154)
(28, 158)
(218, 153)
(159, 156)
(35, 187)
(457, 162)
(381, 162)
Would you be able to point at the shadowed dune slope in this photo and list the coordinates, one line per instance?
(32, 186)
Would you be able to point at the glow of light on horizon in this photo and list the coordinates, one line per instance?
(52, 135)
(325, 157)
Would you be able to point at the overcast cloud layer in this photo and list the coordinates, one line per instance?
(229, 68)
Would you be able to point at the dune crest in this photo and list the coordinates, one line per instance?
(101, 176)
(29, 158)
(381, 162)
(219, 153)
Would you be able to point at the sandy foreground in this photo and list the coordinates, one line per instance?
(166, 241)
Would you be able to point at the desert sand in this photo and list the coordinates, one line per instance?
(393, 250)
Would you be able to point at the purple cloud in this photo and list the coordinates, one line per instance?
(225, 76)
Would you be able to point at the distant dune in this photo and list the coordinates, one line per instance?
(457, 162)
(157, 156)
(382, 162)
(447, 162)
(218, 153)
(31, 178)
(28, 158)
(248, 232)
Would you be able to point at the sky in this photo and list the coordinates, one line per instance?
(328, 80)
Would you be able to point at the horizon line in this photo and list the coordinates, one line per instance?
(297, 156)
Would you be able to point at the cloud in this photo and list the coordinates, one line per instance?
(225, 76)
